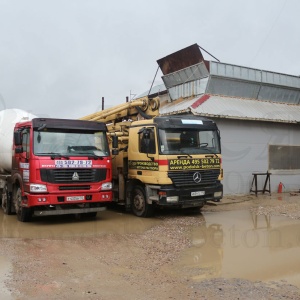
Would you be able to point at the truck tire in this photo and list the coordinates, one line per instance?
(139, 205)
(6, 201)
(24, 214)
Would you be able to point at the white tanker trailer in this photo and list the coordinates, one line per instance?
(8, 120)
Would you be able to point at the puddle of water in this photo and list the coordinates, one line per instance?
(59, 227)
(235, 244)
(238, 244)
(5, 269)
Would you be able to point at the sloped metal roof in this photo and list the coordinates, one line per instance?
(235, 108)
(157, 89)
(176, 107)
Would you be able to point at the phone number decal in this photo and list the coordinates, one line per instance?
(201, 163)
(73, 164)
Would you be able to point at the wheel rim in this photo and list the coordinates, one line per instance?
(18, 201)
(139, 201)
(4, 200)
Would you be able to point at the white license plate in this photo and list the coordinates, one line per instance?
(75, 198)
(199, 193)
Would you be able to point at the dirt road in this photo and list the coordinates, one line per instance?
(176, 255)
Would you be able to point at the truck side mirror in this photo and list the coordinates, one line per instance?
(115, 151)
(19, 150)
(115, 141)
(115, 144)
(17, 138)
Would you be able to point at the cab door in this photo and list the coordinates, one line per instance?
(143, 154)
(23, 158)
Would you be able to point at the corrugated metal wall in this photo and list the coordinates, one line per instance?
(187, 82)
(233, 81)
(189, 89)
(245, 150)
(237, 81)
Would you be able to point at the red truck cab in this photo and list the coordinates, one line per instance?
(59, 166)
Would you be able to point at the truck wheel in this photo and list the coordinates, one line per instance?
(6, 201)
(139, 204)
(23, 213)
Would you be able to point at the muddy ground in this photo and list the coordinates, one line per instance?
(119, 256)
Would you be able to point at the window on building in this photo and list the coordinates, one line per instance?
(284, 157)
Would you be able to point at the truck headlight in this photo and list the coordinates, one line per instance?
(172, 199)
(38, 188)
(218, 194)
(106, 186)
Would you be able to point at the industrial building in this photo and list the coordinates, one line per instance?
(257, 112)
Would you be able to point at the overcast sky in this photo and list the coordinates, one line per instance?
(58, 58)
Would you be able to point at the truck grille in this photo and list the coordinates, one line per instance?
(74, 187)
(185, 178)
(73, 176)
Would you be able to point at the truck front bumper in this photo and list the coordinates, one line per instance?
(41, 211)
(32, 200)
(189, 196)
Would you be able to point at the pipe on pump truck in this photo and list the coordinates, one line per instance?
(146, 107)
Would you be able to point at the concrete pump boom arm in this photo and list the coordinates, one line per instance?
(127, 110)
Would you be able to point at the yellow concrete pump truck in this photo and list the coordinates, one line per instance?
(161, 160)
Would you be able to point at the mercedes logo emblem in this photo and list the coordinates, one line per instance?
(197, 177)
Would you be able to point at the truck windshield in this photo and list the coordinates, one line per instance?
(189, 141)
(70, 143)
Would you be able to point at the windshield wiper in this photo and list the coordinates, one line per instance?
(212, 154)
(57, 155)
(185, 155)
(90, 155)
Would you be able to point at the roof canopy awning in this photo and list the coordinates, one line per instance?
(235, 108)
